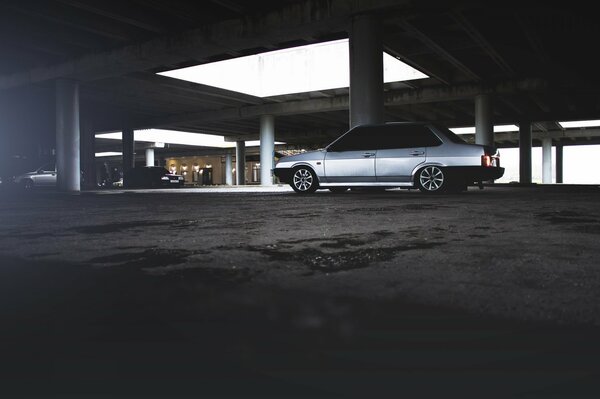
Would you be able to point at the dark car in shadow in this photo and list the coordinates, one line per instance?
(151, 177)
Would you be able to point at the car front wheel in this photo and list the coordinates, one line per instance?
(304, 180)
(431, 179)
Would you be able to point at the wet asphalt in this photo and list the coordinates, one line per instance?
(200, 293)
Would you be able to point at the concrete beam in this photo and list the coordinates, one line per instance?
(438, 49)
(338, 103)
(281, 25)
(552, 134)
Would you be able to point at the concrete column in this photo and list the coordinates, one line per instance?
(228, 176)
(559, 162)
(484, 124)
(525, 152)
(240, 162)
(128, 149)
(267, 149)
(149, 156)
(366, 71)
(68, 167)
(547, 161)
(88, 155)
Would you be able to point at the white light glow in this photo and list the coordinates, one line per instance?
(314, 67)
(576, 124)
(108, 154)
(177, 137)
(497, 129)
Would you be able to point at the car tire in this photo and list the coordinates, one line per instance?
(304, 180)
(338, 190)
(432, 180)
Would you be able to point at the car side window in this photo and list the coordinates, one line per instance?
(357, 139)
(408, 136)
(47, 168)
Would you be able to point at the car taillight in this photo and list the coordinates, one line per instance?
(486, 161)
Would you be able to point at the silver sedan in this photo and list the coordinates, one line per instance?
(399, 154)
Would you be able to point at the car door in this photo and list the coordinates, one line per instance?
(46, 176)
(402, 148)
(351, 158)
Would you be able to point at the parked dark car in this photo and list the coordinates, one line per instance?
(151, 177)
(402, 154)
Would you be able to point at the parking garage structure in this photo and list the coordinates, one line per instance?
(489, 90)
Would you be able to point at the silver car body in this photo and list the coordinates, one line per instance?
(395, 167)
(45, 176)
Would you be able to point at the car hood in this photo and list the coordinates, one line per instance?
(305, 156)
(26, 174)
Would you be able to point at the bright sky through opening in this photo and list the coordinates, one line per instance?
(177, 137)
(497, 129)
(314, 67)
(576, 124)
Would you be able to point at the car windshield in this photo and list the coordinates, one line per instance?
(46, 167)
(453, 137)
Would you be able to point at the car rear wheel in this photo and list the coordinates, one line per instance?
(431, 179)
(304, 180)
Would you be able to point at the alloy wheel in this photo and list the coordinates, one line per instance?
(431, 178)
(303, 180)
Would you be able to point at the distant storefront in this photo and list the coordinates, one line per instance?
(210, 170)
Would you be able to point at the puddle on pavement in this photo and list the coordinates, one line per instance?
(176, 262)
(117, 227)
(153, 257)
(372, 210)
(43, 254)
(122, 226)
(31, 236)
(200, 273)
(319, 261)
(569, 217)
(336, 254)
(424, 207)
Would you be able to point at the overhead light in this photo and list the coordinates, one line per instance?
(576, 124)
(160, 136)
(108, 154)
(497, 129)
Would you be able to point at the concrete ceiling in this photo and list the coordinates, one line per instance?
(535, 59)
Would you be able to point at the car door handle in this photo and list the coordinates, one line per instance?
(368, 154)
(416, 153)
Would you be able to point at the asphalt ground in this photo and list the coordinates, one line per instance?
(265, 293)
